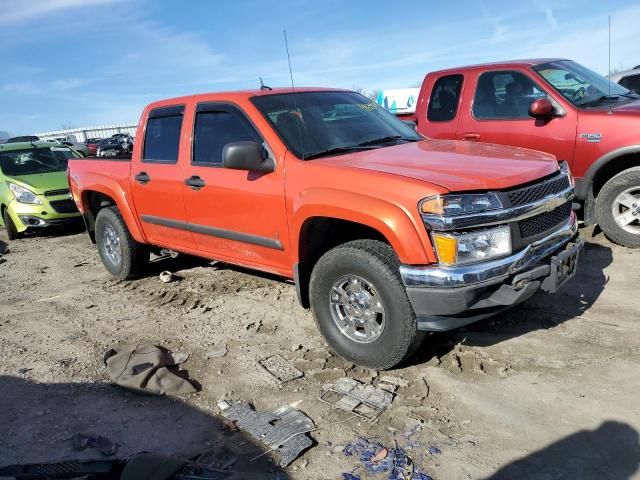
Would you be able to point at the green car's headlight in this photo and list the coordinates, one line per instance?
(24, 195)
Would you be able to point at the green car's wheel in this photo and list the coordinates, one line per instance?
(12, 232)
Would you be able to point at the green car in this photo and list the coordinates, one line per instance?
(34, 192)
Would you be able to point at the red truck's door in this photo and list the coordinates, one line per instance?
(156, 180)
(497, 111)
(439, 117)
(234, 214)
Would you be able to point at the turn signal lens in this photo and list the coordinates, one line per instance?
(447, 249)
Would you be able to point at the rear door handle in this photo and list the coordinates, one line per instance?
(471, 137)
(195, 182)
(142, 177)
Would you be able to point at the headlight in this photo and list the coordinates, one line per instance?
(482, 245)
(564, 168)
(449, 205)
(24, 195)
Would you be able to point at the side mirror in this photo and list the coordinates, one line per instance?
(246, 156)
(542, 108)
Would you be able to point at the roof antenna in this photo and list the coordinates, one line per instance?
(609, 55)
(263, 86)
(293, 90)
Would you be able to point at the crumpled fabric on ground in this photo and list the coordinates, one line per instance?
(145, 368)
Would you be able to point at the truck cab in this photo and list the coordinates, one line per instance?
(556, 106)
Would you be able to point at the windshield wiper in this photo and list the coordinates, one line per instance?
(390, 138)
(330, 151)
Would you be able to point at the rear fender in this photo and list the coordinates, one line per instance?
(113, 190)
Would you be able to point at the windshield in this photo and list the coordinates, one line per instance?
(578, 84)
(35, 160)
(315, 124)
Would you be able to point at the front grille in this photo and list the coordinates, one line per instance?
(538, 191)
(533, 226)
(57, 193)
(64, 206)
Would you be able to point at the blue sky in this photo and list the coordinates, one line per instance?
(93, 62)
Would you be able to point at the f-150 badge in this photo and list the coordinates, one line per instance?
(591, 137)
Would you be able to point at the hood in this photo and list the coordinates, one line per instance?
(42, 182)
(631, 107)
(455, 165)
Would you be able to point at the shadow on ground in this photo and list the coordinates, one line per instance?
(609, 452)
(38, 420)
(540, 312)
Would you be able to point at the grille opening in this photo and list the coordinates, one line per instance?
(64, 206)
(533, 226)
(538, 191)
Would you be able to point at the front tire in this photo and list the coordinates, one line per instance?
(360, 305)
(618, 208)
(12, 231)
(121, 255)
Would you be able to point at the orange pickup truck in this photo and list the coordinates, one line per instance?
(387, 235)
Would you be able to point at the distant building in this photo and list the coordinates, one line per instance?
(82, 134)
(399, 100)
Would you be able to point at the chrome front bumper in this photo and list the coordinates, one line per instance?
(490, 272)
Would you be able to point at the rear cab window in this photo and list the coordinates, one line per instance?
(162, 135)
(445, 97)
(504, 95)
(216, 125)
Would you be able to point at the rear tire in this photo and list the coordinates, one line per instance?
(372, 267)
(12, 232)
(121, 255)
(615, 210)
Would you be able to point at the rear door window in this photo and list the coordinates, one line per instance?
(504, 95)
(216, 126)
(443, 104)
(162, 135)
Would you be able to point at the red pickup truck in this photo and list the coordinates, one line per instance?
(386, 235)
(556, 106)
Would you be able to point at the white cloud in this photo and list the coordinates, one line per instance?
(26, 10)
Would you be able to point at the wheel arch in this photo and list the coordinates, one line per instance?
(94, 199)
(601, 171)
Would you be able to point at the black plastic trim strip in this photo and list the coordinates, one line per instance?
(214, 232)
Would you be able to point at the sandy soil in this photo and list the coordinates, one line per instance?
(548, 390)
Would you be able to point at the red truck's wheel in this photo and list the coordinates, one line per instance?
(120, 253)
(618, 208)
(360, 304)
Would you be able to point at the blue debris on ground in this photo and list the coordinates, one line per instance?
(376, 459)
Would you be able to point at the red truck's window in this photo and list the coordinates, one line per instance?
(443, 104)
(162, 138)
(504, 95)
(214, 129)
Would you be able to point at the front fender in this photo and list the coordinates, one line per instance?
(401, 229)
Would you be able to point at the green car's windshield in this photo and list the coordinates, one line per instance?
(318, 124)
(35, 160)
(578, 84)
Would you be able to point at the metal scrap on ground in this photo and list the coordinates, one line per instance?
(351, 395)
(283, 430)
(279, 368)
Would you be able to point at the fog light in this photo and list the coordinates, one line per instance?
(32, 221)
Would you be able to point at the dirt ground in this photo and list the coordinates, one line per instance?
(548, 390)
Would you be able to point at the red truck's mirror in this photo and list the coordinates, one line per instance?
(246, 156)
(542, 108)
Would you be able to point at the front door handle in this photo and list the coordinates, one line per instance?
(471, 137)
(142, 177)
(195, 182)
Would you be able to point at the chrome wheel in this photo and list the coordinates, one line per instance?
(111, 244)
(357, 309)
(626, 210)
